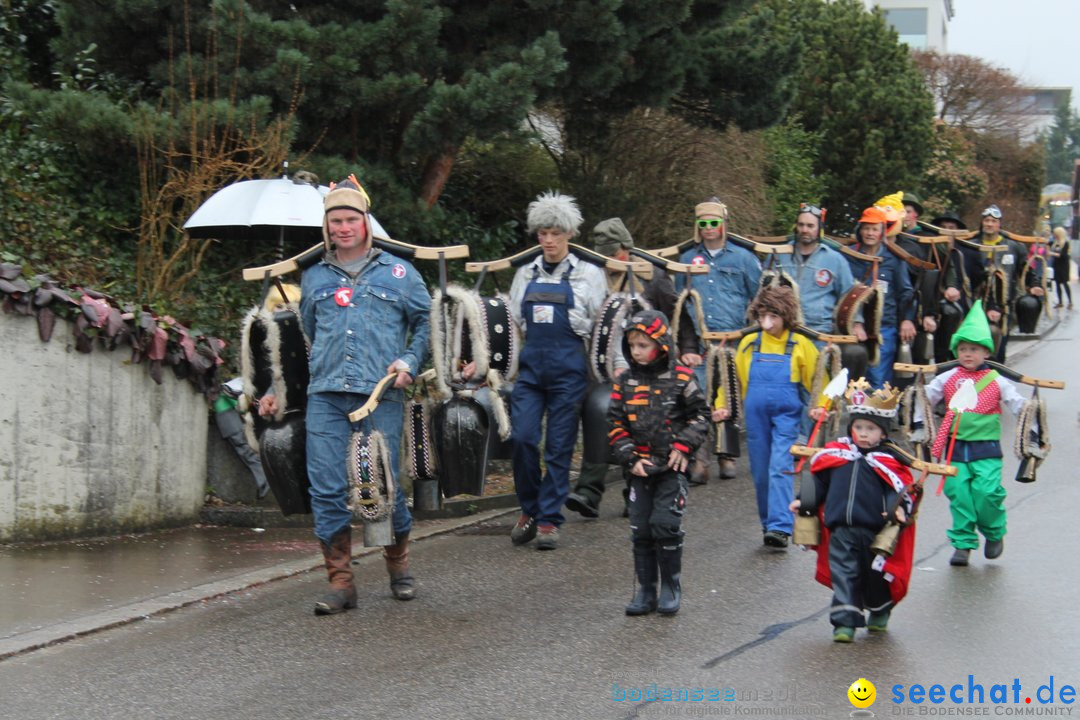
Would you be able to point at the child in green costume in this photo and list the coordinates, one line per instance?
(976, 496)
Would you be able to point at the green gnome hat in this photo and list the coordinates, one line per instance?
(974, 329)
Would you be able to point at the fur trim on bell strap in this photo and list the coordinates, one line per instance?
(676, 315)
(272, 348)
(606, 340)
(468, 318)
(915, 397)
(872, 302)
(1032, 421)
(720, 372)
(371, 479)
(438, 332)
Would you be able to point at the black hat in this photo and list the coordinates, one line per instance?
(949, 215)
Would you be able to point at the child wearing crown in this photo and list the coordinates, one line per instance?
(976, 496)
(864, 487)
(775, 367)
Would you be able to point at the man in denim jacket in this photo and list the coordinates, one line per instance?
(726, 292)
(365, 313)
(822, 274)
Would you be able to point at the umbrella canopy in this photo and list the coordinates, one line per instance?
(272, 210)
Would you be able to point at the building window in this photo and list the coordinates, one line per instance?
(910, 24)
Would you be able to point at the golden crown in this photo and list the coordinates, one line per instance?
(862, 398)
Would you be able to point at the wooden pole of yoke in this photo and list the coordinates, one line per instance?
(312, 255)
(1006, 371)
(802, 451)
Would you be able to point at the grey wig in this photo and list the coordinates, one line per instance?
(554, 210)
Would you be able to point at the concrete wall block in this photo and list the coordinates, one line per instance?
(96, 446)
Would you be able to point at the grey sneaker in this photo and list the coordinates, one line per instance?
(548, 537)
(524, 530)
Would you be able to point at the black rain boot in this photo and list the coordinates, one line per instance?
(644, 601)
(670, 576)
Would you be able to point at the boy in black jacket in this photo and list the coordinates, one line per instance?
(864, 486)
(659, 417)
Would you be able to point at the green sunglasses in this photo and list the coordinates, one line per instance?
(703, 223)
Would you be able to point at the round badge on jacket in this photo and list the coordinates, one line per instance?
(823, 277)
(398, 271)
(343, 296)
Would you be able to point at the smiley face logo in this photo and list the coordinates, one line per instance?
(862, 693)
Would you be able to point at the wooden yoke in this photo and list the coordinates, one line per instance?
(843, 248)
(907, 257)
(949, 232)
(913, 462)
(313, 254)
(779, 245)
(381, 388)
(727, 336)
(642, 268)
(1006, 371)
(765, 245)
(968, 234)
(927, 239)
(669, 265)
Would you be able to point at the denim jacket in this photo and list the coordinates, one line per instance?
(359, 326)
(823, 278)
(729, 287)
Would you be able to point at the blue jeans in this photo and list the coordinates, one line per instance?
(328, 434)
(557, 390)
(878, 375)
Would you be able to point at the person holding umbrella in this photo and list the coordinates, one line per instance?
(365, 313)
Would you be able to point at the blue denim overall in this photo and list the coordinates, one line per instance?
(553, 377)
(773, 411)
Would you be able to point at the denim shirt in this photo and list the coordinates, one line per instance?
(359, 326)
(729, 287)
(823, 278)
(893, 279)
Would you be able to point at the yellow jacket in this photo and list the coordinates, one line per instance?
(804, 357)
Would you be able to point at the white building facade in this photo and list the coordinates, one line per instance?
(921, 24)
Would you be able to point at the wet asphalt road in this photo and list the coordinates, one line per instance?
(506, 632)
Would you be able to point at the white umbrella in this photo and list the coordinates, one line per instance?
(270, 210)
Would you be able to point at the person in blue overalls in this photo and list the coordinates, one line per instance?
(775, 368)
(554, 300)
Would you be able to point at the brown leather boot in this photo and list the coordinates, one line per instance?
(338, 556)
(397, 564)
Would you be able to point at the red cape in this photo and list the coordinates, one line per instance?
(899, 564)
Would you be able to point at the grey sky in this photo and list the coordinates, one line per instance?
(1036, 40)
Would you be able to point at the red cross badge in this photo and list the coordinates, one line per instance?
(343, 296)
(398, 271)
